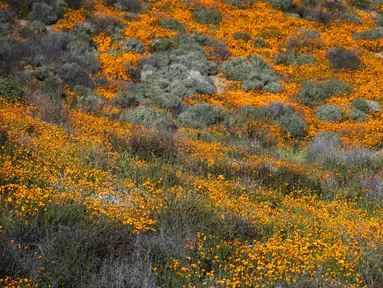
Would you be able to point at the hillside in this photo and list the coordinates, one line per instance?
(193, 143)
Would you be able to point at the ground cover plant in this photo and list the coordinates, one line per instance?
(207, 143)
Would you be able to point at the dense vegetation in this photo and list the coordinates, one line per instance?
(204, 143)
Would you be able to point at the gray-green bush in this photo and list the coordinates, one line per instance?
(314, 93)
(149, 117)
(125, 5)
(329, 113)
(53, 87)
(86, 99)
(293, 124)
(357, 115)
(36, 27)
(293, 59)
(241, 3)
(284, 5)
(340, 58)
(160, 44)
(43, 13)
(251, 113)
(209, 15)
(373, 34)
(241, 36)
(201, 115)
(255, 72)
(10, 90)
(173, 74)
(236, 69)
(260, 43)
(366, 106)
(133, 45)
(172, 24)
(278, 109)
(127, 99)
(305, 38)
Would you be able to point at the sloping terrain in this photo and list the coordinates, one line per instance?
(196, 143)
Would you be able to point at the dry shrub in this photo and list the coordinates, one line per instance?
(49, 110)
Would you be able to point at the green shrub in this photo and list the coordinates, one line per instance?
(259, 80)
(203, 40)
(236, 69)
(334, 6)
(146, 116)
(219, 49)
(6, 29)
(10, 90)
(127, 99)
(241, 3)
(218, 46)
(370, 263)
(259, 63)
(125, 5)
(250, 113)
(350, 18)
(273, 87)
(299, 60)
(311, 94)
(81, 48)
(309, 33)
(53, 87)
(257, 75)
(293, 59)
(201, 115)
(36, 27)
(86, 99)
(4, 69)
(43, 13)
(340, 58)
(288, 180)
(261, 77)
(305, 38)
(241, 36)
(141, 115)
(330, 138)
(335, 86)
(41, 72)
(173, 74)
(293, 124)
(280, 58)
(366, 106)
(310, 2)
(207, 16)
(329, 113)
(76, 251)
(172, 24)
(79, 60)
(134, 45)
(314, 93)
(279, 109)
(154, 143)
(161, 98)
(6, 16)
(362, 4)
(284, 5)
(260, 43)
(75, 4)
(369, 35)
(358, 115)
(160, 44)
(3, 139)
(201, 84)
(73, 75)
